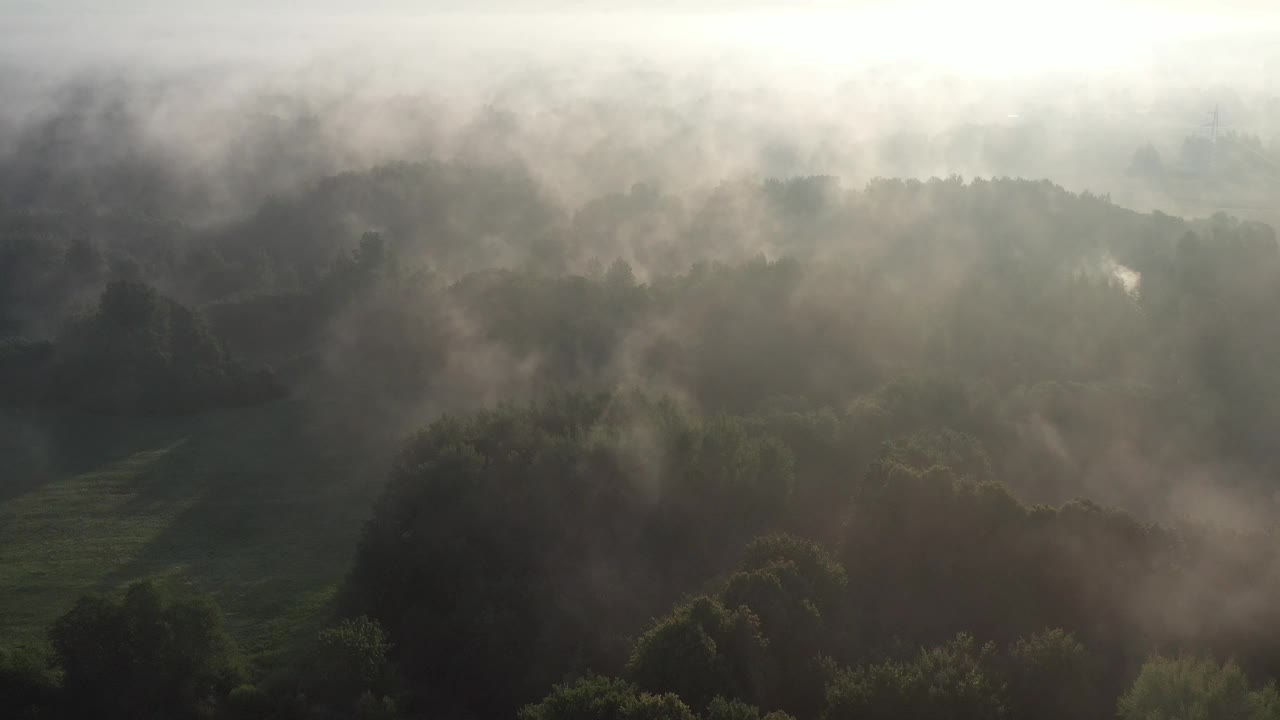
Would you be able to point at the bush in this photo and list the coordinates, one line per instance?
(143, 657)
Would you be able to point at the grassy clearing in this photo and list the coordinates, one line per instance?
(261, 507)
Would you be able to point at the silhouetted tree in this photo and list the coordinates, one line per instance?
(143, 657)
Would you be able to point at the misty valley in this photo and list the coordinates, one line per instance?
(560, 388)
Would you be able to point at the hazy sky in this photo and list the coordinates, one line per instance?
(1151, 39)
(1249, 8)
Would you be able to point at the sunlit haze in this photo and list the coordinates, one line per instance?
(622, 360)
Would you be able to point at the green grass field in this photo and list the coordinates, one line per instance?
(261, 507)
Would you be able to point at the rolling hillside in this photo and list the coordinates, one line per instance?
(258, 506)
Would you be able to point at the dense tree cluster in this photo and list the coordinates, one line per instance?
(1195, 687)
(154, 654)
(772, 449)
(139, 352)
(1117, 348)
(522, 544)
(143, 655)
(1237, 168)
(523, 515)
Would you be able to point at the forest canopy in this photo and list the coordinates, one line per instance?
(890, 376)
(570, 385)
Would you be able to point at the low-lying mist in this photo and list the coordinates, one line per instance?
(975, 301)
(240, 152)
(221, 108)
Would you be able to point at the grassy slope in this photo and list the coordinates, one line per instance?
(261, 507)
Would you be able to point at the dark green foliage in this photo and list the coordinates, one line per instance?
(891, 355)
(963, 556)
(1191, 688)
(1051, 676)
(248, 701)
(968, 555)
(602, 698)
(144, 353)
(459, 217)
(348, 663)
(1011, 286)
(28, 688)
(143, 657)
(1266, 702)
(945, 545)
(782, 578)
(636, 225)
(952, 682)
(368, 332)
(505, 542)
(796, 589)
(1047, 675)
(759, 639)
(943, 447)
(47, 267)
(373, 707)
(722, 709)
(344, 672)
(541, 498)
(704, 650)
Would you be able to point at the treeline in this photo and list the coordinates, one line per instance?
(1236, 167)
(1114, 353)
(1081, 374)
(137, 353)
(154, 653)
(521, 546)
(456, 218)
(783, 453)
(613, 556)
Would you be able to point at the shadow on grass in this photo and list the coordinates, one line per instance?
(37, 447)
(279, 502)
(260, 507)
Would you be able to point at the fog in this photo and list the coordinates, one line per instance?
(508, 327)
(206, 116)
(682, 97)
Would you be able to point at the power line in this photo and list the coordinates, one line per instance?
(1213, 125)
